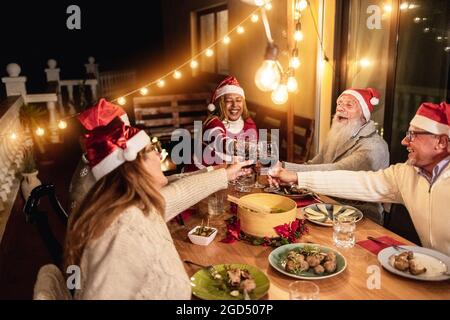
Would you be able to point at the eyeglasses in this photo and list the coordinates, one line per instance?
(411, 135)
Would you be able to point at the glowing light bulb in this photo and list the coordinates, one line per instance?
(143, 91)
(226, 40)
(268, 76)
(426, 30)
(268, 6)
(254, 18)
(294, 62)
(260, 3)
(194, 64)
(417, 19)
(413, 6)
(364, 63)
(13, 136)
(240, 30)
(298, 35)
(301, 5)
(280, 95)
(292, 84)
(161, 83)
(177, 74)
(40, 132)
(209, 52)
(404, 6)
(387, 8)
(62, 124)
(122, 101)
(447, 49)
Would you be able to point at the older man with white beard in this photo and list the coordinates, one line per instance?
(352, 144)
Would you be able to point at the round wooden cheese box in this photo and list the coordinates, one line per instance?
(284, 210)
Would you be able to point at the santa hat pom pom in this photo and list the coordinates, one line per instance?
(374, 101)
(211, 107)
(129, 154)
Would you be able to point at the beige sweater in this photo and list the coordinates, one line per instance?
(399, 183)
(135, 258)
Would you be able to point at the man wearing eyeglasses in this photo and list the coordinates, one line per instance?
(352, 144)
(422, 184)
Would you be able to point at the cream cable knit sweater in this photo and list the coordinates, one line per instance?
(135, 258)
(400, 183)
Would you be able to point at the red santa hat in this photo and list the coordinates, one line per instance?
(101, 114)
(228, 85)
(109, 146)
(367, 99)
(434, 118)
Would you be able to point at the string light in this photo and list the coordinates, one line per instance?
(40, 132)
(268, 75)
(294, 62)
(240, 30)
(364, 63)
(280, 94)
(298, 35)
(161, 83)
(226, 40)
(292, 84)
(268, 6)
(143, 91)
(447, 49)
(177, 74)
(387, 8)
(194, 64)
(209, 52)
(417, 20)
(255, 18)
(404, 6)
(426, 30)
(13, 136)
(62, 124)
(122, 101)
(301, 5)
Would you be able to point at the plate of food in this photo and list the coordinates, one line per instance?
(323, 213)
(230, 282)
(416, 263)
(291, 191)
(307, 261)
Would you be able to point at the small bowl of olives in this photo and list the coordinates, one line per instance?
(202, 235)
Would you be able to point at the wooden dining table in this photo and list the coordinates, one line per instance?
(363, 279)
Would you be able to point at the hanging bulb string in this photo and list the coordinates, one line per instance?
(266, 25)
(195, 56)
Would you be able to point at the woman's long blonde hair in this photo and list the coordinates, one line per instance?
(129, 184)
(221, 110)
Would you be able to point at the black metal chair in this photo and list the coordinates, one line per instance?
(40, 219)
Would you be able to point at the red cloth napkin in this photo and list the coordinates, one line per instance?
(375, 247)
(305, 202)
(184, 216)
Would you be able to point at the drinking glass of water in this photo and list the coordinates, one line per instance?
(303, 290)
(344, 231)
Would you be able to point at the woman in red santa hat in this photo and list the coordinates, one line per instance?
(118, 236)
(229, 120)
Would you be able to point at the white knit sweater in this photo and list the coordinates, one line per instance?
(400, 183)
(135, 258)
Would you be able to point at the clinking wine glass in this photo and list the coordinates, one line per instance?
(247, 150)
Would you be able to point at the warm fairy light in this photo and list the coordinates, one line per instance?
(240, 30)
(121, 101)
(417, 19)
(13, 136)
(226, 40)
(364, 63)
(413, 6)
(268, 76)
(194, 64)
(404, 6)
(439, 38)
(260, 3)
(301, 5)
(40, 132)
(143, 91)
(292, 84)
(268, 6)
(294, 62)
(426, 30)
(280, 94)
(254, 18)
(161, 83)
(177, 74)
(62, 124)
(298, 35)
(387, 8)
(209, 52)
(447, 49)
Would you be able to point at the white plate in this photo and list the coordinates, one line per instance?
(329, 222)
(435, 262)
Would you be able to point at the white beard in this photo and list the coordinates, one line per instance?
(338, 135)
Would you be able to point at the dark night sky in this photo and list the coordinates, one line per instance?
(120, 35)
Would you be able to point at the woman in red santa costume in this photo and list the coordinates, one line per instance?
(229, 121)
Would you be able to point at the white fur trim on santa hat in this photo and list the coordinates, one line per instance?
(138, 142)
(430, 125)
(125, 119)
(229, 89)
(361, 101)
(211, 107)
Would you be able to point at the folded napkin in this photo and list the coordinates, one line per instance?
(305, 202)
(375, 247)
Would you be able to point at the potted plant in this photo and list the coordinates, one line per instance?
(29, 174)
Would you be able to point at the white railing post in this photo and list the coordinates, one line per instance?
(94, 91)
(53, 126)
(71, 99)
(15, 85)
(52, 72)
